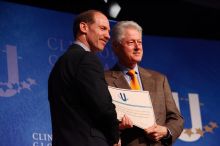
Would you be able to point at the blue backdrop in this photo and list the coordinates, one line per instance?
(31, 39)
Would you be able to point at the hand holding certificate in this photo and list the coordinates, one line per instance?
(135, 104)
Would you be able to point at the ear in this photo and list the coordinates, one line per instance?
(83, 27)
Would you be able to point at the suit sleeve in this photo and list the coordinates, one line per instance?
(90, 77)
(174, 120)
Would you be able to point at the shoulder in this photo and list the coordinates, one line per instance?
(75, 55)
(76, 52)
(108, 73)
(75, 49)
(151, 73)
(113, 71)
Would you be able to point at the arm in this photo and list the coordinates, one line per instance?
(174, 120)
(98, 100)
(171, 122)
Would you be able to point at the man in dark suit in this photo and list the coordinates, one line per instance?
(127, 46)
(82, 111)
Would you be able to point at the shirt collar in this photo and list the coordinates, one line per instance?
(82, 45)
(125, 69)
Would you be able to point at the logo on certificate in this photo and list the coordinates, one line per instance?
(123, 97)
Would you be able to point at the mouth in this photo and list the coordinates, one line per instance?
(104, 41)
(137, 53)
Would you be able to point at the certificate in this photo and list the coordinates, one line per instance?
(135, 104)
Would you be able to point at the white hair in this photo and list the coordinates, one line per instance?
(117, 33)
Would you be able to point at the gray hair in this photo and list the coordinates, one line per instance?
(118, 30)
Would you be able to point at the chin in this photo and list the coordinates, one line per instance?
(100, 49)
(137, 59)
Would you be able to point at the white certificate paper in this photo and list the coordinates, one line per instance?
(135, 104)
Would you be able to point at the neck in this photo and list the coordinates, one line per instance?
(128, 65)
(82, 39)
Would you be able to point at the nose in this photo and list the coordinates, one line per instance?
(137, 45)
(107, 35)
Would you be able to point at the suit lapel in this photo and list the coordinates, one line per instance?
(119, 79)
(148, 84)
(145, 79)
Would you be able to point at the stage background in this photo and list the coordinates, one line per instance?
(31, 39)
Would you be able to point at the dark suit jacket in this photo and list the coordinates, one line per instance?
(166, 112)
(81, 107)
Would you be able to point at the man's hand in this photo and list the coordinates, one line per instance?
(125, 123)
(156, 132)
